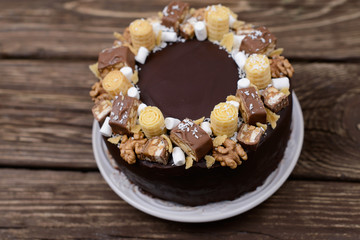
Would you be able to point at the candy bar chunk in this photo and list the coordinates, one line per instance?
(192, 139)
(114, 59)
(274, 99)
(123, 114)
(251, 107)
(249, 136)
(259, 41)
(101, 110)
(187, 30)
(156, 150)
(174, 14)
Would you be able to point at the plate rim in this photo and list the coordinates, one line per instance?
(268, 191)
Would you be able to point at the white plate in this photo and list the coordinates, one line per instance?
(205, 213)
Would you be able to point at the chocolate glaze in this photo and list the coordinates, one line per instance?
(199, 185)
(186, 80)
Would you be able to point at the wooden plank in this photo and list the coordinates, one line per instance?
(329, 95)
(68, 205)
(80, 29)
(46, 120)
(45, 113)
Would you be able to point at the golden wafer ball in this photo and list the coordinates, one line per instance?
(115, 83)
(224, 119)
(142, 35)
(257, 68)
(217, 19)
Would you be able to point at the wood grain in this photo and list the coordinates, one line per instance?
(330, 98)
(79, 29)
(46, 118)
(74, 205)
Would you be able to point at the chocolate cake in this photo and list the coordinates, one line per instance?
(194, 105)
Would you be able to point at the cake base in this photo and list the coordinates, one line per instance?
(210, 212)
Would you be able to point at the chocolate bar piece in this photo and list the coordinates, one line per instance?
(123, 114)
(101, 110)
(187, 30)
(174, 14)
(249, 136)
(251, 107)
(156, 150)
(274, 99)
(114, 59)
(192, 139)
(259, 41)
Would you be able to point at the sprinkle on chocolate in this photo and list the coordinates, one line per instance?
(260, 41)
(110, 57)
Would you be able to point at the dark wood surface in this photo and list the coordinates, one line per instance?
(49, 184)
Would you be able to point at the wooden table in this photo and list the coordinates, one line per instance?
(50, 187)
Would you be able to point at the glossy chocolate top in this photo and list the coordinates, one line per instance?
(186, 80)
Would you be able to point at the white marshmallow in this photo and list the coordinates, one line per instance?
(243, 83)
(141, 107)
(281, 83)
(178, 156)
(240, 59)
(127, 71)
(156, 27)
(168, 36)
(105, 129)
(234, 103)
(200, 31)
(133, 92)
(142, 55)
(232, 20)
(170, 122)
(237, 41)
(206, 127)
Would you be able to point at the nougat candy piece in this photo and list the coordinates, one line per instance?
(274, 99)
(123, 114)
(156, 150)
(249, 136)
(260, 41)
(192, 139)
(251, 107)
(114, 59)
(174, 14)
(101, 110)
(187, 30)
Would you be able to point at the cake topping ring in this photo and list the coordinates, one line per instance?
(235, 127)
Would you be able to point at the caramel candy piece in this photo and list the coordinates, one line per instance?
(194, 141)
(259, 41)
(156, 150)
(274, 99)
(101, 110)
(123, 114)
(114, 59)
(187, 30)
(174, 14)
(251, 107)
(249, 136)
